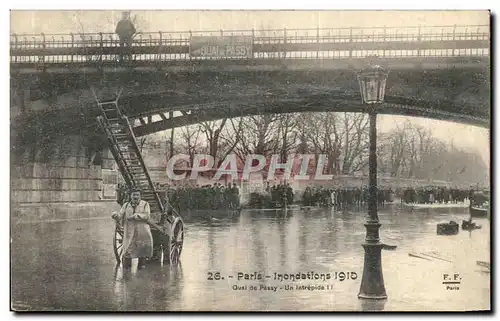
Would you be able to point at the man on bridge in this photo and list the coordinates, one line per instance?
(125, 30)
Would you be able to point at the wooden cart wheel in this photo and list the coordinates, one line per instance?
(118, 243)
(174, 249)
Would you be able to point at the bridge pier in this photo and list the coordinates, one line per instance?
(60, 171)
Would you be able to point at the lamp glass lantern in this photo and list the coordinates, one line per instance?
(372, 81)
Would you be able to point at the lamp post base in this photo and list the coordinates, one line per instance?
(372, 283)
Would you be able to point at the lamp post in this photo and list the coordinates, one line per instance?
(372, 81)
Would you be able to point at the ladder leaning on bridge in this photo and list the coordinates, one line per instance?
(167, 228)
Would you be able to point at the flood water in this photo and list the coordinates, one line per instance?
(71, 266)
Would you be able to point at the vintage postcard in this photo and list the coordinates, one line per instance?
(250, 160)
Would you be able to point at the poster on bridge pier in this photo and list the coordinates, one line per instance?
(250, 161)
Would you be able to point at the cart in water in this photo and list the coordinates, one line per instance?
(168, 238)
(167, 226)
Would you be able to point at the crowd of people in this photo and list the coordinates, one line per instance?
(432, 194)
(275, 196)
(213, 196)
(223, 197)
(343, 197)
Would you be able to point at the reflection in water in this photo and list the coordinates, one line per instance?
(119, 287)
(282, 236)
(71, 266)
(212, 249)
(165, 283)
(302, 240)
(372, 305)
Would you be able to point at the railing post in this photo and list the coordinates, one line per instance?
(454, 29)
(317, 42)
(15, 45)
(89, 57)
(221, 32)
(419, 38)
(453, 35)
(26, 44)
(190, 41)
(160, 45)
(72, 44)
(284, 42)
(350, 41)
(384, 40)
(101, 45)
(54, 45)
(43, 47)
(253, 41)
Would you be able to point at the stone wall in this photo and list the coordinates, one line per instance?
(67, 174)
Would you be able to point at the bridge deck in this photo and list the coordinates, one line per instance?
(444, 41)
(436, 72)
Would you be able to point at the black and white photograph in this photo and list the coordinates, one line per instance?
(250, 161)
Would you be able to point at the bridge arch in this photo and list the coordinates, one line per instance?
(347, 103)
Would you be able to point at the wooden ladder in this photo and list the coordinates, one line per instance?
(123, 145)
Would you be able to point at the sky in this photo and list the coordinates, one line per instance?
(64, 22)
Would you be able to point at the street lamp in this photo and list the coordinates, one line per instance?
(372, 81)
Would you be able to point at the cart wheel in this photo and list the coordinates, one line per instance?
(176, 242)
(118, 243)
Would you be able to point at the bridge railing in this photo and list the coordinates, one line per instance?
(316, 43)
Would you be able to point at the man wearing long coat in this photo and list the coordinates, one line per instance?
(137, 237)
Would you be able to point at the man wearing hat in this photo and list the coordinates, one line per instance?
(137, 237)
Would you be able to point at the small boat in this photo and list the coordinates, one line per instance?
(450, 228)
(435, 256)
(419, 256)
(484, 264)
(435, 205)
(476, 211)
(469, 225)
(273, 209)
(389, 247)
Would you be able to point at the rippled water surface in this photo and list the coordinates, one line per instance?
(71, 266)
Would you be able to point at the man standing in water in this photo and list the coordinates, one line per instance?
(125, 30)
(137, 237)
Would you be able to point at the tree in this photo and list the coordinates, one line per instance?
(230, 138)
(141, 142)
(394, 146)
(287, 134)
(190, 142)
(172, 133)
(411, 151)
(356, 142)
(343, 137)
(212, 131)
(321, 131)
(258, 136)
